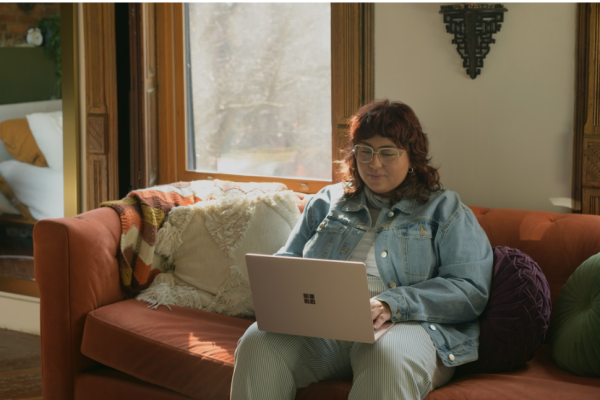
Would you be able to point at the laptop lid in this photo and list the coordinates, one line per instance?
(311, 297)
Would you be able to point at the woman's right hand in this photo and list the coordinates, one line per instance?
(380, 313)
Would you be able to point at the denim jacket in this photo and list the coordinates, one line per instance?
(433, 257)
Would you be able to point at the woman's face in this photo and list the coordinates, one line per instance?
(383, 179)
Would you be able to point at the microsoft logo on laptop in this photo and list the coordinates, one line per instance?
(309, 298)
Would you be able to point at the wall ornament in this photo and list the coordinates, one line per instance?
(26, 7)
(473, 26)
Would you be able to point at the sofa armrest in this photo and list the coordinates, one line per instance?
(76, 270)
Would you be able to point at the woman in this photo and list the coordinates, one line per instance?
(429, 267)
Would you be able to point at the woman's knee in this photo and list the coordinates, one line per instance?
(250, 338)
(399, 365)
(247, 341)
(392, 361)
(266, 346)
(403, 344)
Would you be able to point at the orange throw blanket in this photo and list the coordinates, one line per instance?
(142, 212)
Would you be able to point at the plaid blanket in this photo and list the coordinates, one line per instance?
(141, 213)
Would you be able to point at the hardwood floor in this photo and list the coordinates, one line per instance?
(20, 366)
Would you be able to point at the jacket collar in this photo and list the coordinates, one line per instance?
(358, 202)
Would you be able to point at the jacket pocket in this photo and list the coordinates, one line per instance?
(329, 235)
(332, 225)
(418, 251)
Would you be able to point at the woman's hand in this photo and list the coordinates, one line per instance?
(380, 313)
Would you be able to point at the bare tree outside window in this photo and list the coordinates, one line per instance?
(261, 88)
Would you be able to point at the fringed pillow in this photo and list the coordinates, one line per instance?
(202, 247)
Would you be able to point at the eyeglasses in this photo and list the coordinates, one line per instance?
(387, 156)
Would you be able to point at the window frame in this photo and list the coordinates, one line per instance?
(351, 81)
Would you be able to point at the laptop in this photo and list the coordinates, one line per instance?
(311, 297)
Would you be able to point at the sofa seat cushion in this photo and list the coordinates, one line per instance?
(539, 379)
(187, 350)
(106, 383)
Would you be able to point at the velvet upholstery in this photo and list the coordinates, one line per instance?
(575, 343)
(540, 379)
(106, 383)
(558, 243)
(196, 358)
(76, 269)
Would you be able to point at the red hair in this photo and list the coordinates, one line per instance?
(397, 122)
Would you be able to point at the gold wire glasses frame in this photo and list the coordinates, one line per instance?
(387, 156)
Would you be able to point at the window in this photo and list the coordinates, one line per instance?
(252, 92)
(259, 89)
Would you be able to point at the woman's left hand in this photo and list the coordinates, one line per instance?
(380, 313)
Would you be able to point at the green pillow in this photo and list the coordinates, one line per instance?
(576, 326)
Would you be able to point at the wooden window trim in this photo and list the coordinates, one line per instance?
(352, 86)
(586, 140)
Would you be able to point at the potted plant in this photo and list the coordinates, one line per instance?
(50, 28)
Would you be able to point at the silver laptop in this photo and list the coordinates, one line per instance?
(310, 297)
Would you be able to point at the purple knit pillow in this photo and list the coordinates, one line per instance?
(517, 316)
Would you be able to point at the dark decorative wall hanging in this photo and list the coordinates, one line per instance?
(473, 26)
(26, 7)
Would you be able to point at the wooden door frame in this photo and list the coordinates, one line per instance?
(101, 117)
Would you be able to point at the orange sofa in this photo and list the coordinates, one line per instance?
(96, 344)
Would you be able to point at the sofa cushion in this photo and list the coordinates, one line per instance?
(106, 383)
(47, 129)
(516, 318)
(187, 350)
(540, 379)
(205, 245)
(18, 140)
(576, 326)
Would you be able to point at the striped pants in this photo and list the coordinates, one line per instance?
(402, 365)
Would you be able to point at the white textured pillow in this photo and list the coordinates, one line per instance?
(39, 188)
(47, 129)
(205, 246)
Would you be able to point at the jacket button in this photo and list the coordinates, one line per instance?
(392, 284)
(432, 327)
(451, 357)
(384, 254)
(390, 214)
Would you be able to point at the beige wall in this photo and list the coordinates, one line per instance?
(19, 313)
(505, 138)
